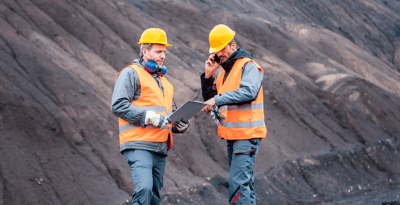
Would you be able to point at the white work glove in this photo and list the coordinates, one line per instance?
(214, 117)
(217, 115)
(182, 125)
(157, 120)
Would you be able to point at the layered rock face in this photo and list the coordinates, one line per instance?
(331, 91)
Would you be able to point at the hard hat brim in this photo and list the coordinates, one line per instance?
(156, 43)
(214, 50)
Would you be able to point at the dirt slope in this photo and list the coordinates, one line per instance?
(331, 86)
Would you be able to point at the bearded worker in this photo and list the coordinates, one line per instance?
(142, 100)
(238, 95)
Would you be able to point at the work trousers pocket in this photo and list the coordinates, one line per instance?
(249, 146)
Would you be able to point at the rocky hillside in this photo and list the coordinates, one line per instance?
(331, 86)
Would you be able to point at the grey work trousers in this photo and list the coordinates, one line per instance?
(241, 158)
(147, 169)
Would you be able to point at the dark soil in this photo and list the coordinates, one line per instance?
(331, 91)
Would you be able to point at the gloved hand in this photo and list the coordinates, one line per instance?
(182, 125)
(157, 120)
(217, 115)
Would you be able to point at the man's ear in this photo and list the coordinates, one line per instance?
(233, 46)
(145, 51)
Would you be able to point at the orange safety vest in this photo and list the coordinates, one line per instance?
(242, 121)
(151, 98)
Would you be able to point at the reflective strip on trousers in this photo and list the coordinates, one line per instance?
(132, 126)
(242, 107)
(251, 124)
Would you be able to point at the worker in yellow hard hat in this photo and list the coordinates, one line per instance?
(235, 99)
(143, 100)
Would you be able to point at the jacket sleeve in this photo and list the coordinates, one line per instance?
(250, 85)
(208, 88)
(127, 89)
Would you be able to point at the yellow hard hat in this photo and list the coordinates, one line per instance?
(219, 37)
(154, 35)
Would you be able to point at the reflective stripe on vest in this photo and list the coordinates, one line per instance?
(131, 126)
(242, 121)
(151, 98)
(151, 108)
(242, 107)
(251, 124)
(157, 109)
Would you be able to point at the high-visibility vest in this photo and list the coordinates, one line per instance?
(151, 98)
(242, 121)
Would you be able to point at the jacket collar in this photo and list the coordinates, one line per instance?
(239, 53)
(138, 62)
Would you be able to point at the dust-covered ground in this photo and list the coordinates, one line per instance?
(331, 99)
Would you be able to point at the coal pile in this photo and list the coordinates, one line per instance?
(331, 91)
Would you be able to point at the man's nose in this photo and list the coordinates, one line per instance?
(162, 56)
